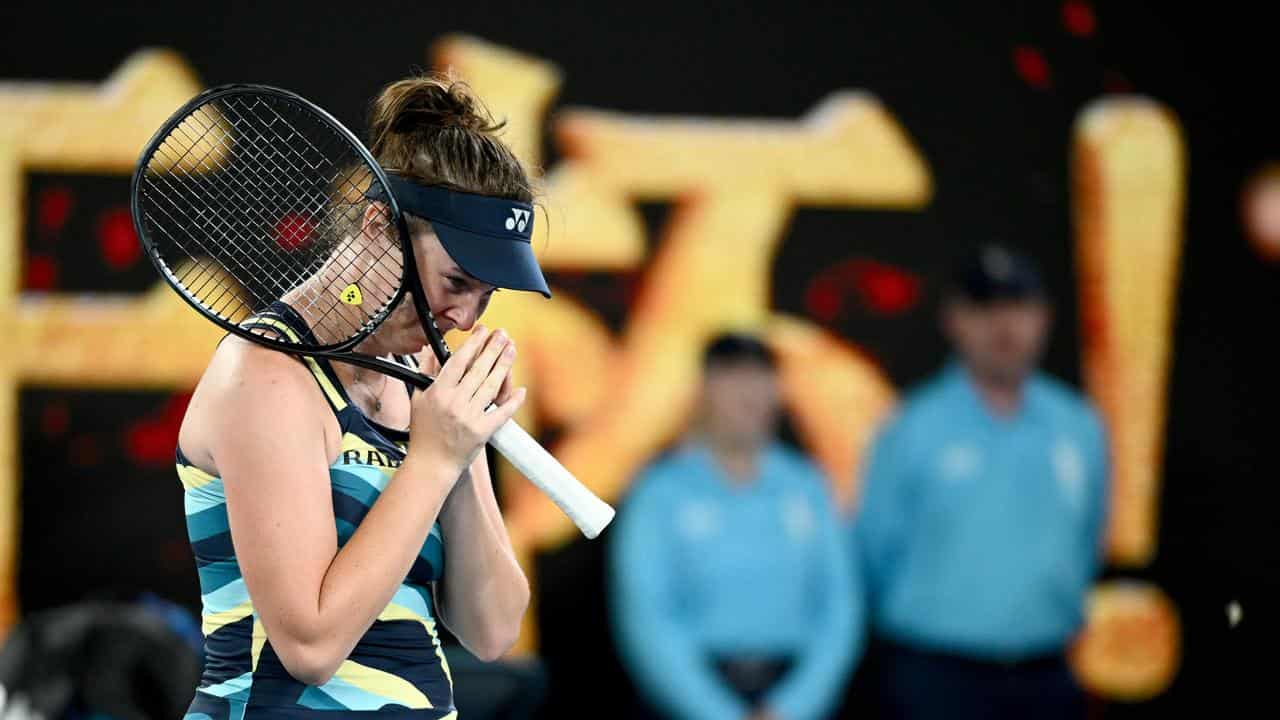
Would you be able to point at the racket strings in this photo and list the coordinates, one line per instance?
(260, 209)
(255, 199)
(341, 183)
(220, 219)
(172, 205)
(219, 194)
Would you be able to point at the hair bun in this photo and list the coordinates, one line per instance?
(435, 131)
(426, 104)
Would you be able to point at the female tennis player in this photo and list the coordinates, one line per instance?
(336, 516)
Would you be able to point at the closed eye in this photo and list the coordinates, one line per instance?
(460, 285)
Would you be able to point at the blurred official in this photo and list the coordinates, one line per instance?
(731, 587)
(982, 515)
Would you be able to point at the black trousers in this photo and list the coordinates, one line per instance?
(750, 677)
(923, 685)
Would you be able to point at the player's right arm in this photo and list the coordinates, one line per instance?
(264, 427)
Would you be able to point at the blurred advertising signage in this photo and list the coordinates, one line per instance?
(615, 398)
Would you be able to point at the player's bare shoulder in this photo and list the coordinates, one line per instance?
(250, 388)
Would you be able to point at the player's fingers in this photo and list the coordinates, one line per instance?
(456, 366)
(490, 387)
(499, 415)
(504, 392)
(482, 365)
(428, 363)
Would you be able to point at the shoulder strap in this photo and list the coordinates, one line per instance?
(320, 368)
(410, 362)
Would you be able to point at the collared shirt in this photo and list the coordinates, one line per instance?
(981, 534)
(705, 566)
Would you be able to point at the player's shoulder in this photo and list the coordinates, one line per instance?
(253, 386)
(240, 368)
(246, 389)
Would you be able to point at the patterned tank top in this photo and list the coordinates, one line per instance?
(397, 670)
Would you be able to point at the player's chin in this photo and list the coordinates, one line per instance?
(415, 341)
(411, 344)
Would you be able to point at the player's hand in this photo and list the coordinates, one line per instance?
(449, 423)
(762, 713)
(429, 365)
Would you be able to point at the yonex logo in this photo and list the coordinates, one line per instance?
(519, 218)
(351, 295)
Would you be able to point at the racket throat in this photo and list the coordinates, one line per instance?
(428, 320)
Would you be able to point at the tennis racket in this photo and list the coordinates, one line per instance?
(250, 197)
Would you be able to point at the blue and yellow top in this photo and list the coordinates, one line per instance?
(396, 670)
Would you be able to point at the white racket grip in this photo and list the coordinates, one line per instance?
(588, 512)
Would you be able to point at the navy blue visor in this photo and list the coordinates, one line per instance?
(488, 237)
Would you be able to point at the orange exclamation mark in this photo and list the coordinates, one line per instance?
(1129, 167)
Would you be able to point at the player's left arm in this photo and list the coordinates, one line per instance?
(484, 593)
(813, 687)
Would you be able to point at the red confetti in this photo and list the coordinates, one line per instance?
(886, 290)
(823, 300)
(41, 274)
(117, 240)
(1031, 67)
(1078, 18)
(293, 231)
(150, 444)
(151, 441)
(53, 207)
(882, 289)
(54, 419)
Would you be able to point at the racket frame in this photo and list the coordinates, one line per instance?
(410, 282)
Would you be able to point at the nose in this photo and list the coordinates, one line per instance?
(463, 316)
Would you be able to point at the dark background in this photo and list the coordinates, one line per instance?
(988, 91)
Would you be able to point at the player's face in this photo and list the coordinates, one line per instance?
(456, 299)
(740, 402)
(1000, 341)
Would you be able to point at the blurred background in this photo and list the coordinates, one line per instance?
(808, 171)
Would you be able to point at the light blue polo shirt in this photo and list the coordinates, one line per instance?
(981, 534)
(702, 566)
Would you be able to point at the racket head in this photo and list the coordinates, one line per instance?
(250, 195)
